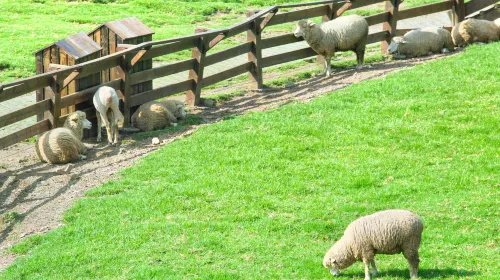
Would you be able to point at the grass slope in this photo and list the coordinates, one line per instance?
(263, 196)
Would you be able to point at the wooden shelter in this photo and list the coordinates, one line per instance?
(123, 32)
(72, 50)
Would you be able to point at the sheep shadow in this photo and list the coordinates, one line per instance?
(424, 273)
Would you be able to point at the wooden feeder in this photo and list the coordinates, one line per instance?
(128, 31)
(72, 50)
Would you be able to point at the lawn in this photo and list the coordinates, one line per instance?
(29, 25)
(263, 196)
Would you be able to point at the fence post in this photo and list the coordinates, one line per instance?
(193, 96)
(458, 11)
(56, 88)
(392, 7)
(331, 14)
(255, 55)
(126, 88)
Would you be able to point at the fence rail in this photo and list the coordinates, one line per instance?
(201, 43)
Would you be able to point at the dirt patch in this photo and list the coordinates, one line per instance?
(34, 195)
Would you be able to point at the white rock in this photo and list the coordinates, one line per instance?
(155, 141)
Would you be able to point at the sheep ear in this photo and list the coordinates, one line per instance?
(311, 24)
(333, 261)
(74, 117)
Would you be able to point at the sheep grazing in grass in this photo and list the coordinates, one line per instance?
(475, 31)
(63, 145)
(105, 100)
(347, 33)
(384, 232)
(421, 42)
(158, 114)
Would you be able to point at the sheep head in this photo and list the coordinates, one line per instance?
(337, 258)
(76, 122)
(179, 112)
(302, 27)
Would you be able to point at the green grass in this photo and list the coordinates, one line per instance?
(35, 24)
(263, 196)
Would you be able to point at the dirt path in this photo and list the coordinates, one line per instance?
(38, 193)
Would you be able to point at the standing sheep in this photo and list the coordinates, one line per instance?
(158, 114)
(474, 31)
(421, 42)
(63, 144)
(106, 99)
(385, 232)
(347, 33)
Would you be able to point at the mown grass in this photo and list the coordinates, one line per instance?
(263, 196)
(30, 25)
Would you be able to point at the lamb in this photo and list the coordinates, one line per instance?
(347, 33)
(158, 114)
(421, 42)
(105, 99)
(474, 31)
(384, 232)
(63, 145)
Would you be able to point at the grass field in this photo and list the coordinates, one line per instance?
(263, 196)
(29, 25)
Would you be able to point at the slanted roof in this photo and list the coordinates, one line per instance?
(128, 28)
(77, 45)
(488, 9)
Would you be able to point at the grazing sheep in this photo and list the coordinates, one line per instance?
(157, 115)
(475, 31)
(347, 33)
(105, 100)
(63, 144)
(421, 42)
(384, 232)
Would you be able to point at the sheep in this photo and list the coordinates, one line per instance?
(384, 232)
(158, 114)
(474, 31)
(347, 33)
(63, 144)
(421, 42)
(105, 99)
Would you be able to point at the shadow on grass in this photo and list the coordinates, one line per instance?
(422, 273)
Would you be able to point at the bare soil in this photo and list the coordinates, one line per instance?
(34, 195)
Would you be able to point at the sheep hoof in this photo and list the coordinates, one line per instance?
(82, 157)
(359, 67)
(98, 139)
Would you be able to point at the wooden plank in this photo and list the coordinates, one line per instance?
(391, 7)
(238, 29)
(193, 95)
(288, 56)
(26, 112)
(27, 87)
(304, 4)
(228, 53)
(157, 93)
(255, 55)
(476, 5)
(162, 71)
(24, 134)
(39, 92)
(458, 11)
(377, 37)
(87, 94)
(56, 87)
(377, 18)
(226, 74)
(170, 48)
(425, 10)
(298, 15)
(280, 40)
(360, 4)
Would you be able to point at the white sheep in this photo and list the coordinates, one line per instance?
(475, 31)
(421, 42)
(105, 99)
(347, 33)
(63, 144)
(384, 232)
(158, 114)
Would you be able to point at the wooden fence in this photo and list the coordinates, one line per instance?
(201, 43)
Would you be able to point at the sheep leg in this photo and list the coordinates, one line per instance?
(328, 66)
(360, 57)
(367, 262)
(99, 125)
(374, 268)
(115, 128)
(413, 261)
(108, 128)
(171, 118)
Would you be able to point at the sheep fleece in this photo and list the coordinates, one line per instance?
(422, 41)
(151, 116)
(475, 30)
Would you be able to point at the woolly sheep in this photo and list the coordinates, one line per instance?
(347, 33)
(421, 42)
(63, 145)
(105, 99)
(157, 115)
(474, 31)
(384, 232)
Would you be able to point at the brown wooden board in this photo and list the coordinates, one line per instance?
(359, 4)
(162, 71)
(24, 134)
(26, 112)
(226, 74)
(280, 40)
(476, 5)
(157, 93)
(170, 48)
(288, 56)
(377, 18)
(30, 85)
(298, 15)
(377, 37)
(424, 10)
(228, 53)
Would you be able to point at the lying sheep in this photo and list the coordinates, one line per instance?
(347, 33)
(475, 31)
(421, 42)
(105, 100)
(63, 145)
(384, 232)
(157, 115)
